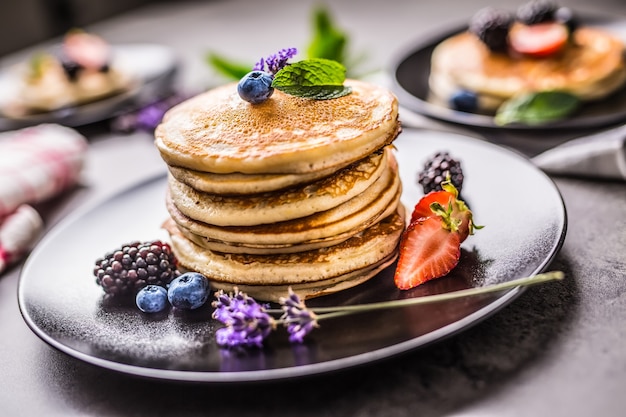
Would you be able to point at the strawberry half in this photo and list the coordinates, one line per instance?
(539, 40)
(427, 251)
(431, 245)
(447, 199)
(87, 49)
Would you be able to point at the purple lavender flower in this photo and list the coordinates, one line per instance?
(299, 320)
(148, 117)
(275, 62)
(247, 322)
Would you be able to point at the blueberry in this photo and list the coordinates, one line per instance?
(566, 16)
(189, 291)
(151, 299)
(463, 100)
(255, 87)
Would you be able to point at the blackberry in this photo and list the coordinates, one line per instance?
(536, 11)
(135, 265)
(71, 69)
(436, 169)
(492, 26)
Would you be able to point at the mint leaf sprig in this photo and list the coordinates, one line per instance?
(328, 41)
(537, 108)
(317, 78)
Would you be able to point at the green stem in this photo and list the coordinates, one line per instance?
(427, 299)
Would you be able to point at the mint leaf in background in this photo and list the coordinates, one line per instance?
(227, 67)
(328, 40)
(537, 108)
(317, 92)
(311, 72)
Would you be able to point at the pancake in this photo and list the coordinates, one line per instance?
(265, 208)
(290, 192)
(314, 289)
(220, 133)
(237, 183)
(591, 68)
(258, 249)
(360, 251)
(312, 232)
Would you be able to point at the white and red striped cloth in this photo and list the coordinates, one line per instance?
(36, 163)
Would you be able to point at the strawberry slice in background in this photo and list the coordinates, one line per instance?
(538, 40)
(86, 49)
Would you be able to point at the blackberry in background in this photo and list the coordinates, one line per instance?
(134, 266)
(436, 169)
(71, 69)
(492, 26)
(537, 11)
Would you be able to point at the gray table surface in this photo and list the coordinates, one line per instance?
(557, 350)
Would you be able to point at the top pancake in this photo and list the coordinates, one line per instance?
(218, 132)
(591, 67)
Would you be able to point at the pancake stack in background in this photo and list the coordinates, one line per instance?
(541, 47)
(291, 192)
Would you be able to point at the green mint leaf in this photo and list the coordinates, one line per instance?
(317, 92)
(328, 40)
(227, 67)
(37, 63)
(310, 72)
(537, 108)
(317, 78)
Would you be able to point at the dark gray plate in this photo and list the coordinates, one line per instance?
(153, 66)
(525, 224)
(410, 71)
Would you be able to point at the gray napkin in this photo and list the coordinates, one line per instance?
(601, 155)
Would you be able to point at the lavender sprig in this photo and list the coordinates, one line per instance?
(249, 323)
(299, 320)
(275, 62)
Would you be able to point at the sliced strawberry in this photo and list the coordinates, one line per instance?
(427, 251)
(87, 49)
(422, 208)
(440, 202)
(539, 40)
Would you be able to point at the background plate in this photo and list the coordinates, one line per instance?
(154, 66)
(61, 303)
(411, 69)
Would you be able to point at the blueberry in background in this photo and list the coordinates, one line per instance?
(151, 299)
(189, 291)
(255, 87)
(463, 100)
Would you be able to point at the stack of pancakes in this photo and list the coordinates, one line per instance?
(590, 67)
(291, 192)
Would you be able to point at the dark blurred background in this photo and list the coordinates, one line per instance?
(26, 22)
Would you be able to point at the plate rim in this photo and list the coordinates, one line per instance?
(285, 373)
(429, 40)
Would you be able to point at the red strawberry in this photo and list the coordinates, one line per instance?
(540, 40)
(86, 49)
(427, 251)
(422, 208)
(431, 245)
(447, 199)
